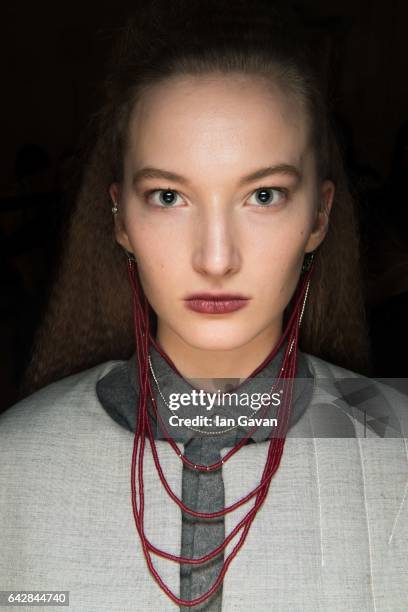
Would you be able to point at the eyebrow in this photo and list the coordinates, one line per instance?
(157, 173)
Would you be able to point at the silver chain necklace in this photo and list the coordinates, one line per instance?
(207, 433)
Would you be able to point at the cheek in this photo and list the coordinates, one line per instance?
(159, 262)
(146, 241)
(277, 254)
(275, 264)
(153, 235)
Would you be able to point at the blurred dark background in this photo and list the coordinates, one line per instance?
(53, 56)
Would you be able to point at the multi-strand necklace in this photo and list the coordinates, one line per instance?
(284, 380)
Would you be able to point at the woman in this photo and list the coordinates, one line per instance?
(229, 200)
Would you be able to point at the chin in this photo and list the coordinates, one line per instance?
(216, 338)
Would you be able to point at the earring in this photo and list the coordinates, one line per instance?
(129, 255)
(114, 208)
(307, 262)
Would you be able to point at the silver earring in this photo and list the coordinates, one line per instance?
(114, 208)
(129, 255)
(307, 262)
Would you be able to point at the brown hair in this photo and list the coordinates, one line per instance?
(88, 318)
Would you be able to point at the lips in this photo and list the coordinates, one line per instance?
(210, 303)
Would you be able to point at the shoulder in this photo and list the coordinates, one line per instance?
(58, 407)
(322, 368)
(383, 407)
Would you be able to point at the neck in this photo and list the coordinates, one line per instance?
(238, 362)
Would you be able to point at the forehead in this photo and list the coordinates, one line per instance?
(225, 118)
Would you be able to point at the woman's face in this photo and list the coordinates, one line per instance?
(219, 230)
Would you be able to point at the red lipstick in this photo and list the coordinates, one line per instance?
(216, 303)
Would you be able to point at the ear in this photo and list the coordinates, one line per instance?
(120, 231)
(321, 224)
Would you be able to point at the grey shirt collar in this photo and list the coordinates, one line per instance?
(118, 392)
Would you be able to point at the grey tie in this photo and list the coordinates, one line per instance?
(203, 492)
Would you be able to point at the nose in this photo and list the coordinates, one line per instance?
(216, 250)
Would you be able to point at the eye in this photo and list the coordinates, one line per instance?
(163, 198)
(267, 197)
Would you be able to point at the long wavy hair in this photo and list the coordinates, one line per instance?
(88, 315)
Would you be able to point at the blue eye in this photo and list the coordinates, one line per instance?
(166, 199)
(266, 196)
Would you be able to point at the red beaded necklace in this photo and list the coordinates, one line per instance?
(143, 429)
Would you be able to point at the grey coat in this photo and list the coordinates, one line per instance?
(331, 536)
